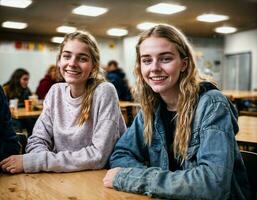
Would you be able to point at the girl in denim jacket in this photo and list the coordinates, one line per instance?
(182, 143)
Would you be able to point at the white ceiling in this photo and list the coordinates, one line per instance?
(43, 16)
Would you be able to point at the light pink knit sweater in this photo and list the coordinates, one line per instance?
(58, 144)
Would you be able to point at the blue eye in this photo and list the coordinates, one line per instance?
(146, 61)
(66, 57)
(165, 59)
(83, 59)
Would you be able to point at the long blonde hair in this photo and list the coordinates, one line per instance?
(95, 77)
(188, 89)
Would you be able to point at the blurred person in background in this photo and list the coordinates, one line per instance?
(17, 86)
(117, 77)
(46, 83)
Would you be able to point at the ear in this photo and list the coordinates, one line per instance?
(93, 73)
(184, 64)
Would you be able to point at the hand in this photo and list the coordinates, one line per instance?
(108, 179)
(12, 164)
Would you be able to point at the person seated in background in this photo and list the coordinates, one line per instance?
(81, 119)
(117, 77)
(46, 83)
(8, 139)
(182, 143)
(17, 86)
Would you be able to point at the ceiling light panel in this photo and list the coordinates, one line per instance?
(117, 32)
(16, 3)
(211, 18)
(89, 10)
(14, 25)
(66, 29)
(57, 39)
(165, 8)
(146, 25)
(225, 29)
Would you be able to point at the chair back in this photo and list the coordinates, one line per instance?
(250, 161)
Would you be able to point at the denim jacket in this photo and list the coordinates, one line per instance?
(214, 168)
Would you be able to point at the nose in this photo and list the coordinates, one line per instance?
(72, 61)
(155, 66)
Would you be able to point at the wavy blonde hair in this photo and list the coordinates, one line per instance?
(188, 89)
(95, 77)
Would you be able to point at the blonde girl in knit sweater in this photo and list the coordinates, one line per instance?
(81, 119)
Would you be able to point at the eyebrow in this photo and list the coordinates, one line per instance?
(80, 54)
(163, 53)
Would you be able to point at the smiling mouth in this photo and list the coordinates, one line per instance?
(158, 78)
(72, 72)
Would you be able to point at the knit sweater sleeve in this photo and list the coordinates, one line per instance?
(105, 127)
(42, 137)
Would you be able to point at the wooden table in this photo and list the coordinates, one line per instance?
(21, 113)
(240, 95)
(85, 185)
(124, 104)
(247, 130)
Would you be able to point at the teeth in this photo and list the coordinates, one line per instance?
(158, 78)
(72, 72)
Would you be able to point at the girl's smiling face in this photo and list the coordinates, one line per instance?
(75, 62)
(160, 64)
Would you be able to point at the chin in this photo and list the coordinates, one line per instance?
(157, 90)
(70, 81)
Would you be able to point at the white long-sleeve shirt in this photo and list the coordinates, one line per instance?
(58, 144)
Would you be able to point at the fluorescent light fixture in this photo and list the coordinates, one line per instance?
(225, 29)
(14, 25)
(117, 32)
(16, 3)
(89, 10)
(66, 29)
(165, 8)
(146, 25)
(57, 39)
(212, 18)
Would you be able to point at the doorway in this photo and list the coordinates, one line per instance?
(237, 72)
